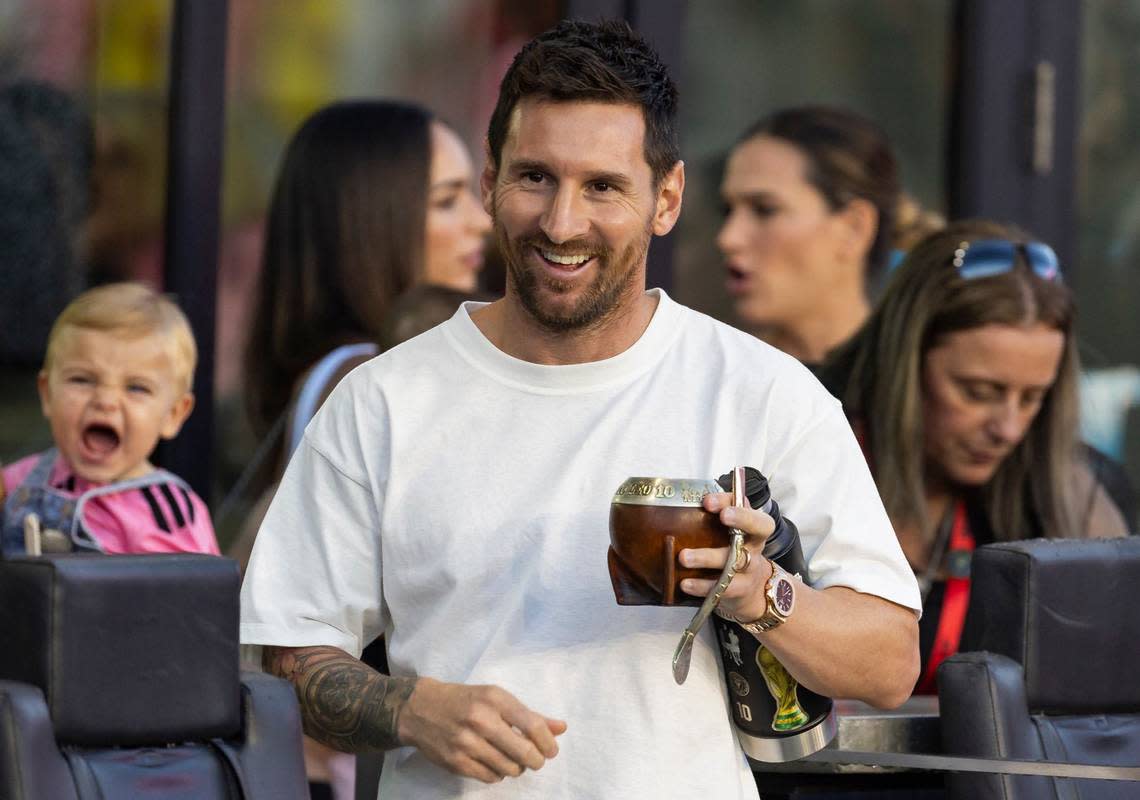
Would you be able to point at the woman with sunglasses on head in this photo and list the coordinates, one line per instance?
(962, 388)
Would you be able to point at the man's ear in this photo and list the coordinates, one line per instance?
(669, 199)
(487, 179)
(860, 219)
(177, 415)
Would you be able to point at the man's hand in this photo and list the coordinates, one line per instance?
(839, 642)
(481, 732)
(744, 597)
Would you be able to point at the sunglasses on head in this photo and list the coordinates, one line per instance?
(984, 258)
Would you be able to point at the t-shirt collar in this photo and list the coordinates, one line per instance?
(652, 345)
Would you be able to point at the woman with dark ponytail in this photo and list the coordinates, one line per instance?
(812, 196)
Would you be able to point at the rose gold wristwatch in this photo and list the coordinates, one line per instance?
(780, 593)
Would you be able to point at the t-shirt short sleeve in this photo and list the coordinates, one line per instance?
(848, 539)
(314, 573)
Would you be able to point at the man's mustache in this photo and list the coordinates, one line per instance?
(574, 247)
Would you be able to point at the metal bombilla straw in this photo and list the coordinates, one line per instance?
(684, 652)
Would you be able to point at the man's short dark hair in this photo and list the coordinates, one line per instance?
(593, 61)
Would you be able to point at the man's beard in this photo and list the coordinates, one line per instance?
(615, 277)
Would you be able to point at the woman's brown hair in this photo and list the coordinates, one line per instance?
(926, 300)
(345, 236)
(848, 157)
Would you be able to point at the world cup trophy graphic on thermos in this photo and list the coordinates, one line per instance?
(651, 521)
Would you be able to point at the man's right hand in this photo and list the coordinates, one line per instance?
(481, 732)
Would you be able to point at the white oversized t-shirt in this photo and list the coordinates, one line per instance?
(456, 500)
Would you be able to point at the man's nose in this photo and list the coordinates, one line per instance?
(565, 218)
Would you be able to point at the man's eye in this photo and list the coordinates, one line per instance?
(601, 186)
(533, 177)
(763, 210)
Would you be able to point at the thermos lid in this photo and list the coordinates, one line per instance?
(755, 486)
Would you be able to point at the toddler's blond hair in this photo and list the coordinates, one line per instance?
(131, 310)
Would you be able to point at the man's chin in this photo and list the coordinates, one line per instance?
(556, 316)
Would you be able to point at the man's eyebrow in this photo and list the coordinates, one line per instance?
(528, 165)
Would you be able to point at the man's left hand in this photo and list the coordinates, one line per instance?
(744, 598)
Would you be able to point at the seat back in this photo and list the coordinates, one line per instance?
(1047, 668)
(119, 678)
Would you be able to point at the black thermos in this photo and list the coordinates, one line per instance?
(776, 719)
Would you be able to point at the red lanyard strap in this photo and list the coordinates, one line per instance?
(954, 602)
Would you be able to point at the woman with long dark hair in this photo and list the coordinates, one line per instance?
(372, 198)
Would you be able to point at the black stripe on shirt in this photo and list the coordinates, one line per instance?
(155, 509)
(179, 520)
(189, 503)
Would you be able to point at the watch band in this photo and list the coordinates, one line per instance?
(780, 598)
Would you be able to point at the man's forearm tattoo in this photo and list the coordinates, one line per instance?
(344, 703)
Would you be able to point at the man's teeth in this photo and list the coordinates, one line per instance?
(569, 261)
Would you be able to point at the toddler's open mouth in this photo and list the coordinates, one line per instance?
(100, 440)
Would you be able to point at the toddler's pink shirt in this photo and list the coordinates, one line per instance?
(161, 518)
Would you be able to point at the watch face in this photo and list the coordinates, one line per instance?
(784, 597)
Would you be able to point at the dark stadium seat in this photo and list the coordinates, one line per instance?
(1048, 668)
(119, 679)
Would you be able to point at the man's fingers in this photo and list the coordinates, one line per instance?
(750, 520)
(482, 732)
(704, 557)
(556, 726)
(533, 729)
(715, 501)
(471, 768)
(503, 754)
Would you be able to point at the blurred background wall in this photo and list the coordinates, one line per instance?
(898, 61)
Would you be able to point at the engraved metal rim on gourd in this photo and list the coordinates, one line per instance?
(677, 492)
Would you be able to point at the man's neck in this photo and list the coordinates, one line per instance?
(509, 327)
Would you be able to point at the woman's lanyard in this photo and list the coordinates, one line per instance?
(955, 600)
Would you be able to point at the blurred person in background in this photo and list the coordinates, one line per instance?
(812, 203)
(962, 388)
(373, 197)
(46, 147)
(46, 154)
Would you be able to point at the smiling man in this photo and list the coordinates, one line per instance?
(453, 494)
